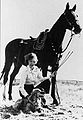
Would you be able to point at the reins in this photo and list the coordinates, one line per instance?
(66, 58)
(68, 42)
(55, 72)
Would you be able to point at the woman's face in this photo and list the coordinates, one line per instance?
(32, 62)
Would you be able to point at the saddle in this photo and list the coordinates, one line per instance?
(40, 41)
(25, 42)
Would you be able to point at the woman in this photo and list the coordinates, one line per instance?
(32, 77)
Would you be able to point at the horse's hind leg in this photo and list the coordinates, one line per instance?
(12, 76)
(6, 72)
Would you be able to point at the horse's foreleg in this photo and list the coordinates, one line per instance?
(44, 70)
(57, 93)
(53, 91)
(12, 76)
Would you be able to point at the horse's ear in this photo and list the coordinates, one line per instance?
(67, 6)
(74, 8)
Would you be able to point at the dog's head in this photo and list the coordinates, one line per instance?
(36, 94)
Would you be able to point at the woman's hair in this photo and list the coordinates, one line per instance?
(30, 56)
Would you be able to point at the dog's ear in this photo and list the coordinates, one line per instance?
(36, 90)
(42, 91)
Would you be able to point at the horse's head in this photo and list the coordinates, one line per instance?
(68, 20)
(71, 19)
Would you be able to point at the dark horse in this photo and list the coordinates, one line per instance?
(48, 56)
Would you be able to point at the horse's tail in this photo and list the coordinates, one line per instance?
(2, 73)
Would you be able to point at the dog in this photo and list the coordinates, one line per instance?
(30, 104)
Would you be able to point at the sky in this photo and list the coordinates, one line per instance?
(22, 18)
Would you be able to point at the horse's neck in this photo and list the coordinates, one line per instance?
(58, 30)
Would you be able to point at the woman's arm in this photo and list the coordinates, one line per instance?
(41, 78)
(45, 78)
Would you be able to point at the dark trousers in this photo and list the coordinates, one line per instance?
(43, 85)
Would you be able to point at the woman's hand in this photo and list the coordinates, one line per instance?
(53, 74)
(27, 96)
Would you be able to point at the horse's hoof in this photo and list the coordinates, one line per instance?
(55, 103)
(4, 97)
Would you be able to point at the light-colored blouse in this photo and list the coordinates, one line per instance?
(30, 77)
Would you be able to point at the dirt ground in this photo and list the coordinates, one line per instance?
(71, 107)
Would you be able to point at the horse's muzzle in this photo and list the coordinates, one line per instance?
(77, 29)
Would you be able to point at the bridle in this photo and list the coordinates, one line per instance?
(72, 34)
(70, 24)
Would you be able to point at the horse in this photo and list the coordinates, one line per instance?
(49, 55)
